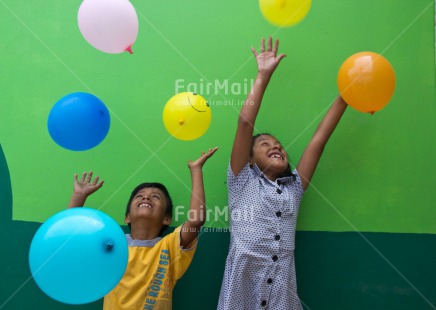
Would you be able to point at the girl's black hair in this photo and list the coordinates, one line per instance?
(169, 203)
(288, 171)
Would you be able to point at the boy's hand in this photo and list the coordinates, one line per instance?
(267, 61)
(202, 159)
(85, 187)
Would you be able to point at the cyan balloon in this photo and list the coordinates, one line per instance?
(78, 121)
(78, 255)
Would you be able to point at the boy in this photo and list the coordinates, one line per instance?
(155, 263)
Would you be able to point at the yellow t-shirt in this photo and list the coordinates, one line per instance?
(151, 274)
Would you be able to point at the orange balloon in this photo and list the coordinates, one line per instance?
(366, 81)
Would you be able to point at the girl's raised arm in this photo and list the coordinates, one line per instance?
(267, 61)
(311, 155)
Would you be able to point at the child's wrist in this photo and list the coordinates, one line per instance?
(195, 169)
(265, 73)
(263, 77)
(79, 195)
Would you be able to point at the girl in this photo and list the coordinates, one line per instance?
(260, 270)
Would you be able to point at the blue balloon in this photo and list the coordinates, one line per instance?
(78, 121)
(78, 255)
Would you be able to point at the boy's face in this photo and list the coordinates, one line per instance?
(269, 155)
(150, 204)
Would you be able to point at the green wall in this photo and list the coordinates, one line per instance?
(44, 57)
(366, 233)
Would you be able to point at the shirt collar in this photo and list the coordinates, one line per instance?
(142, 243)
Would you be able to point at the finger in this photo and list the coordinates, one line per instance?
(262, 45)
(100, 184)
(254, 52)
(276, 47)
(75, 178)
(269, 44)
(88, 178)
(212, 151)
(280, 57)
(83, 177)
(95, 180)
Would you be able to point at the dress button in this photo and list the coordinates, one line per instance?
(275, 258)
(277, 237)
(269, 281)
(263, 303)
(279, 214)
(279, 191)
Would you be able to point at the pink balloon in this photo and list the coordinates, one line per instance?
(110, 26)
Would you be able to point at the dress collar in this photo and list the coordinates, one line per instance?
(259, 173)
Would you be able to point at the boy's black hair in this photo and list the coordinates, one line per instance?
(288, 171)
(169, 203)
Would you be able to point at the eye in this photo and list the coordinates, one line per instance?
(155, 196)
(138, 196)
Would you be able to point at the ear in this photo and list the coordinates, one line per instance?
(127, 219)
(167, 220)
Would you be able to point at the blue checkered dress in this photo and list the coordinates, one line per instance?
(260, 269)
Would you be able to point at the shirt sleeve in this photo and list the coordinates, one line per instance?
(238, 182)
(297, 183)
(181, 258)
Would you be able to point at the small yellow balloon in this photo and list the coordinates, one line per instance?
(284, 13)
(187, 116)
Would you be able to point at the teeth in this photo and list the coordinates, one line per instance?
(145, 205)
(276, 156)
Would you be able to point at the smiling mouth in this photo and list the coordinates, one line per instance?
(275, 155)
(145, 205)
(193, 106)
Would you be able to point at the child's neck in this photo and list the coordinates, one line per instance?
(142, 233)
(271, 176)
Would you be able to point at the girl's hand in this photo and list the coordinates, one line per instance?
(267, 61)
(202, 159)
(85, 187)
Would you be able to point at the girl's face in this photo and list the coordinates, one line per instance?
(269, 156)
(148, 203)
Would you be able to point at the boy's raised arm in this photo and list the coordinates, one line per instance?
(83, 188)
(197, 210)
(267, 61)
